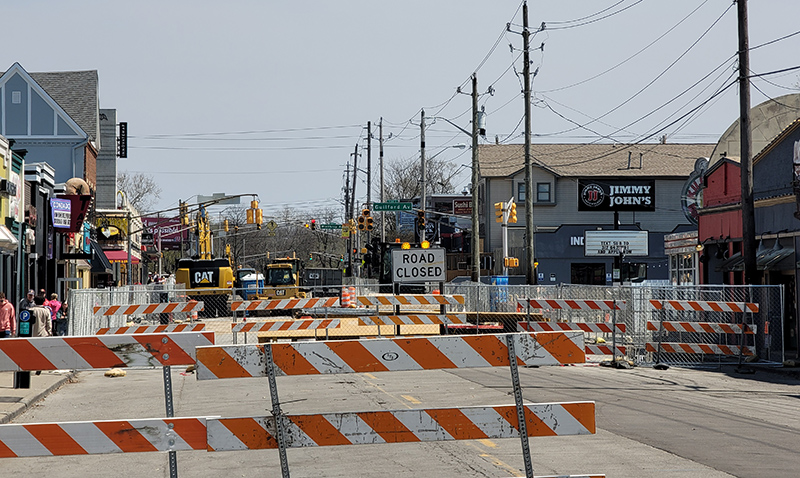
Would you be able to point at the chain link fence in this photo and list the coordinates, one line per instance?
(495, 308)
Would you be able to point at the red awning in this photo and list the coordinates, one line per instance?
(120, 256)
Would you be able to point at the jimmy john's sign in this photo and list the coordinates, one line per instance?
(616, 195)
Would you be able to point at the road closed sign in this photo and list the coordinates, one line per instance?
(418, 265)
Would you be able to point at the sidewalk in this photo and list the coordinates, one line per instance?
(15, 401)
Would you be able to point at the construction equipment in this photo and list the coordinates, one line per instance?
(207, 280)
(282, 279)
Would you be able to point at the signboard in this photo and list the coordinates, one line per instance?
(616, 195)
(330, 226)
(614, 243)
(462, 207)
(169, 228)
(62, 212)
(692, 193)
(391, 206)
(418, 265)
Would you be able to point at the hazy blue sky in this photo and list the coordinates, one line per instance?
(271, 97)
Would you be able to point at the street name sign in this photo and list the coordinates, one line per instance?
(418, 265)
(391, 206)
(330, 226)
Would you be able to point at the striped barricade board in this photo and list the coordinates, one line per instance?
(395, 354)
(103, 437)
(699, 305)
(283, 325)
(594, 349)
(570, 304)
(409, 299)
(524, 326)
(417, 319)
(282, 304)
(143, 309)
(701, 327)
(399, 426)
(698, 349)
(151, 329)
(101, 351)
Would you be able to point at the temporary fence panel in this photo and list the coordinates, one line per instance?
(697, 349)
(697, 306)
(702, 327)
(417, 353)
(401, 426)
(152, 329)
(590, 349)
(581, 304)
(101, 351)
(103, 437)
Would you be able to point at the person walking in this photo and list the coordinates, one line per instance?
(56, 316)
(8, 318)
(41, 323)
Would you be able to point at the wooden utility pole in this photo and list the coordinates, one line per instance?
(369, 165)
(383, 199)
(746, 153)
(476, 226)
(530, 229)
(353, 188)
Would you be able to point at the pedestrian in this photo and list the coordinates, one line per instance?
(41, 323)
(43, 293)
(55, 315)
(27, 301)
(8, 318)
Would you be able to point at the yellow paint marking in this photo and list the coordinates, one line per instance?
(500, 464)
(411, 399)
(488, 443)
(373, 377)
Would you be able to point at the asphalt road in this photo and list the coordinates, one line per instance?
(673, 423)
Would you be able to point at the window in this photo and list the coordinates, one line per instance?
(16, 97)
(520, 192)
(543, 192)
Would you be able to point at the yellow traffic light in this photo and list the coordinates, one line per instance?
(251, 216)
(512, 214)
(254, 204)
(259, 216)
(370, 223)
(365, 212)
(362, 223)
(498, 211)
(225, 225)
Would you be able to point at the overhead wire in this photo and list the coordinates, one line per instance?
(588, 22)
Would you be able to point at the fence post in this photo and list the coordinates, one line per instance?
(173, 457)
(522, 426)
(614, 332)
(277, 414)
(660, 332)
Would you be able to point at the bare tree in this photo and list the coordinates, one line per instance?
(403, 178)
(140, 190)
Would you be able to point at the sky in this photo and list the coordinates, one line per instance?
(273, 98)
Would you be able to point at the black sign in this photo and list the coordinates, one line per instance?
(616, 195)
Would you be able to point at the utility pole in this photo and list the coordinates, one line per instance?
(353, 189)
(347, 217)
(369, 172)
(422, 202)
(530, 229)
(476, 227)
(380, 155)
(746, 153)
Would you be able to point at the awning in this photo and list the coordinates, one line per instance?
(120, 256)
(766, 259)
(100, 263)
(8, 243)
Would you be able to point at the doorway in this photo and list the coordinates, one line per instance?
(588, 273)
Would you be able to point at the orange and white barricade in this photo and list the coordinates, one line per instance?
(409, 299)
(285, 304)
(570, 304)
(417, 319)
(151, 329)
(144, 309)
(590, 349)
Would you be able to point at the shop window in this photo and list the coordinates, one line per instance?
(588, 273)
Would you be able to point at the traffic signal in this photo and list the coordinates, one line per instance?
(362, 223)
(512, 214)
(421, 219)
(259, 216)
(498, 211)
(510, 262)
(251, 216)
(313, 224)
(225, 225)
(370, 223)
(184, 212)
(310, 257)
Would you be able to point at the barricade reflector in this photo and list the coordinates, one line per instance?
(419, 319)
(401, 426)
(280, 325)
(395, 354)
(706, 349)
(151, 329)
(410, 299)
(564, 326)
(698, 305)
(701, 327)
(570, 304)
(143, 309)
(101, 351)
(102, 437)
(278, 304)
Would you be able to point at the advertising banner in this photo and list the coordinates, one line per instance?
(170, 229)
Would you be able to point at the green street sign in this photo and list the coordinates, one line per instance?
(391, 206)
(330, 226)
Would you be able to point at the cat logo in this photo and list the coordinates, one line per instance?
(205, 277)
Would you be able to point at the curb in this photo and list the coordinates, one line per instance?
(29, 400)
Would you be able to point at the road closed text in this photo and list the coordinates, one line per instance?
(418, 265)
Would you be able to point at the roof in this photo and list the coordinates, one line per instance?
(596, 160)
(76, 92)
